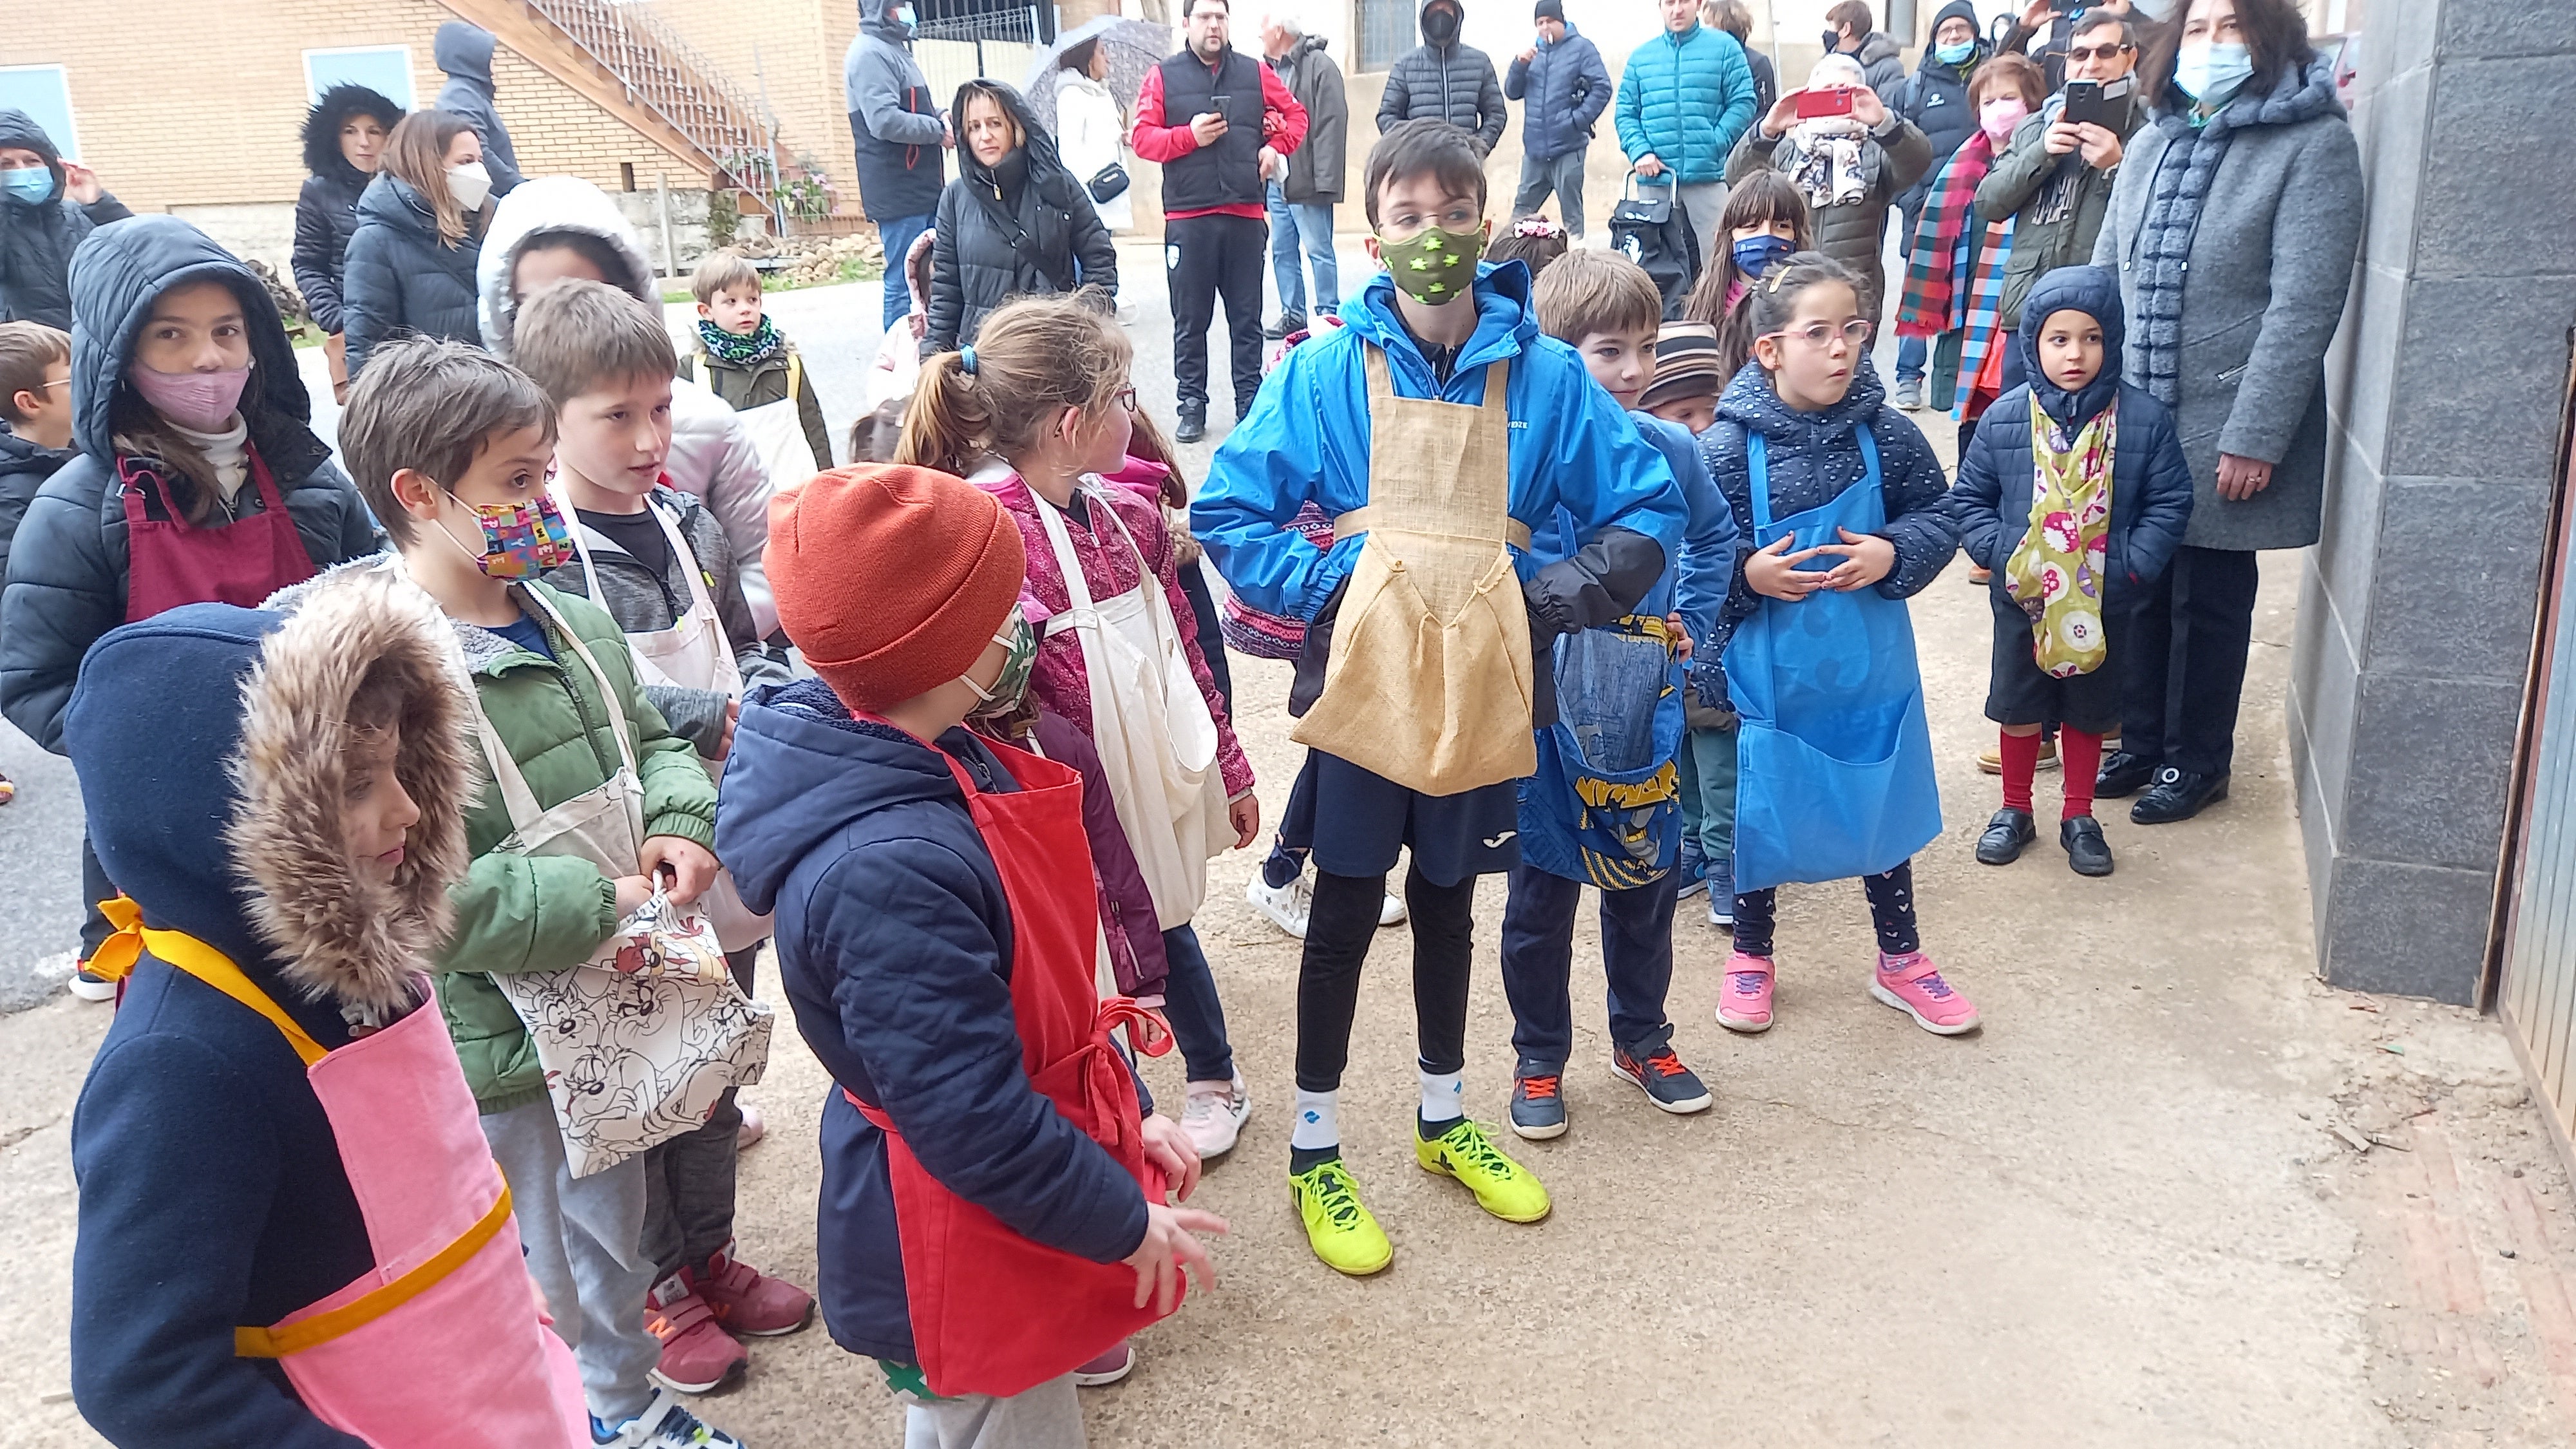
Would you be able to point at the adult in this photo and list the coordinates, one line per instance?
(1850, 168)
(465, 53)
(1954, 274)
(1685, 99)
(899, 137)
(420, 233)
(1091, 130)
(47, 205)
(1851, 30)
(2061, 30)
(2055, 181)
(1564, 86)
(1446, 80)
(1016, 222)
(1936, 100)
(2233, 224)
(1731, 17)
(1306, 184)
(1237, 119)
(344, 144)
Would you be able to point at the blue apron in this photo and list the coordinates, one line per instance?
(1834, 758)
(1605, 804)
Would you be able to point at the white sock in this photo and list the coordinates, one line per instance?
(1444, 1097)
(1318, 1120)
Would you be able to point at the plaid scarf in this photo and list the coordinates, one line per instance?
(1983, 305)
(1937, 265)
(764, 343)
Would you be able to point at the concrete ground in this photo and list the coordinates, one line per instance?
(2176, 1193)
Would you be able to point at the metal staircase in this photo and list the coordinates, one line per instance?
(630, 63)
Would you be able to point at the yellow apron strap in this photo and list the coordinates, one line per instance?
(1515, 532)
(186, 953)
(795, 375)
(349, 1317)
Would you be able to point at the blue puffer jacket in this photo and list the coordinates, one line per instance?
(894, 950)
(1567, 87)
(400, 278)
(1686, 98)
(2151, 488)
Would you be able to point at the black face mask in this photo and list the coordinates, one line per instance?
(1440, 26)
(1833, 41)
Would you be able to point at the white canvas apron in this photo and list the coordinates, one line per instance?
(777, 431)
(630, 1061)
(692, 654)
(1156, 739)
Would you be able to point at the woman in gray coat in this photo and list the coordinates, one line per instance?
(2233, 227)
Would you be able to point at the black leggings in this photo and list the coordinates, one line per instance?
(1891, 911)
(1338, 932)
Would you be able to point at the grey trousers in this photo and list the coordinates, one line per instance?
(582, 1235)
(1560, 174)
(1705, 201)
(689, 1180)
(1045, 1417)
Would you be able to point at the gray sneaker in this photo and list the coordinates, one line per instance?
(1909, 394)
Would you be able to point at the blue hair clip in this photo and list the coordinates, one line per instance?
(966, 359)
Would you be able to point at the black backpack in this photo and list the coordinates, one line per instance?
(1656, 234)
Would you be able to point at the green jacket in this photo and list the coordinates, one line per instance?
(745, 388)
(547, 913)
(2060, 211)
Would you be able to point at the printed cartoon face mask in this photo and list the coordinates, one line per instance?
(1013, 682)
(1434, 266)
(520, 540)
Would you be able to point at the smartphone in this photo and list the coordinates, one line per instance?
(1218, 104)
(1812, 104)
(2084, 104)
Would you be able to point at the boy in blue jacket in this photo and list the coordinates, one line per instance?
(1605, 806)
(1590, 513)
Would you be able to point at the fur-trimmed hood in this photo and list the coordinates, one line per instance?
(536, 210)
(322, 128)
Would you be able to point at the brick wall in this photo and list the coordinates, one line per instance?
(796, 47)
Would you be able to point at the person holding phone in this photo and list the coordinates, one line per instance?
(2054, 24)
(2054, 178)
(1850, 156)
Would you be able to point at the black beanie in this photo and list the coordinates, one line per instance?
(1550, 10)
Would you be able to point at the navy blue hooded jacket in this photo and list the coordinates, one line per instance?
(24, 467)
(1566, 87)
(37, 240)
(1936, 101)
(400, 277)
(465, 53)
(68, 564)
(2151, 489)
(894, 950)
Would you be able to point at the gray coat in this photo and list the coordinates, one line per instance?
(1316, 167)
(465, 53)
(2269, 267)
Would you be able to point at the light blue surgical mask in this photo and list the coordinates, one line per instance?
(32, 185)
(2212, 72)
(1953, 54)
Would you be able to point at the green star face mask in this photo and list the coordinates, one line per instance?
(1435, 266)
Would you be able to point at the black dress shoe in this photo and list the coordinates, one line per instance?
(1193, 426)
(2123, 775)
(2177, 795)
(1289, 324)
(2005, 836)
(2087, 853)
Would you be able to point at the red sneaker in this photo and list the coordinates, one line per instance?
(698, 1356)
(748, 1301)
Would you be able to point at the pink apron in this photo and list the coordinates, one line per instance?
(443, 1342)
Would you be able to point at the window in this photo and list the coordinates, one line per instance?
(384, 69)
(1386, 31)
(42, 92)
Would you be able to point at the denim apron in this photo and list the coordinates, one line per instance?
(1834, 757)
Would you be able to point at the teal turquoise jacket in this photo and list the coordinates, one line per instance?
(1686, 99)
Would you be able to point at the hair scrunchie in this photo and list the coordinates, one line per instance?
(966, 360)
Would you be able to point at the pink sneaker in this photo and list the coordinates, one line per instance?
(1913, 985)
(746, 1301)
(1108, 1368)
(1744, 997)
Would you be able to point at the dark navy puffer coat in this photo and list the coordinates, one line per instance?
(326, 211)
(37, 240)
(401, 278)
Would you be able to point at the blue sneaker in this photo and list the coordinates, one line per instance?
(662, 1425)
(1693, 870)
(1721, 893)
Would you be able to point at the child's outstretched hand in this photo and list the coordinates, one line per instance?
(1169, 1148)
(1866, 559)
(692, 866)
(1773, 572)
(1168, 1248)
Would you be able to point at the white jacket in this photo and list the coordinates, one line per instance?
(1089, 136)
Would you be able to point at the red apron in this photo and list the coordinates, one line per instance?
(169, 563)
(992, 1312)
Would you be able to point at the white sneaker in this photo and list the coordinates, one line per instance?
(99, 988)
(664, 1424)
(1214, 1116)
(1287, 906)
(1389, 913)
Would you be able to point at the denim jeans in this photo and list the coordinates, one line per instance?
(1912, 354)
(898, 235)
(1190, 1005)
(1310, 224)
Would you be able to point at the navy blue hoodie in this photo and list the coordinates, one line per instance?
(894, 949)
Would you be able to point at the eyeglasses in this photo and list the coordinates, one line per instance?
(1125, 397)
(1822, 334)
(2078, 54)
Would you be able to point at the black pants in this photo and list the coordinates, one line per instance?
(1211, 639)
(2185, 669)
(1538, 965)
(1207, 257)
(689, 1179)
(1337, 941)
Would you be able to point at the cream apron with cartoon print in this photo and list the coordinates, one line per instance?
(630, 1060)
(692, 654)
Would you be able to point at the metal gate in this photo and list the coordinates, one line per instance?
(2536, 902)
(965, 40)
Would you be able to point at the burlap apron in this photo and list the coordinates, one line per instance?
(1429, 680)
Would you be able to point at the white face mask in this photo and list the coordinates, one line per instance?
(470, 184)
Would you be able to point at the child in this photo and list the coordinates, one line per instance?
(1688, 378)
(451, 449)
(35, 428)
(748, 362)
(1534, 241)
(2067, 562)
(1034, 413)
(1604, 805)
(988, 1162)
(1840, 500)
(879, 429)
(1440, 409)
(656, 560)
(283, 798)
(1766, 219)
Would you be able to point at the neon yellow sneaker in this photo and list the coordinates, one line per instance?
(1502, 1187)
(1338, 1228)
